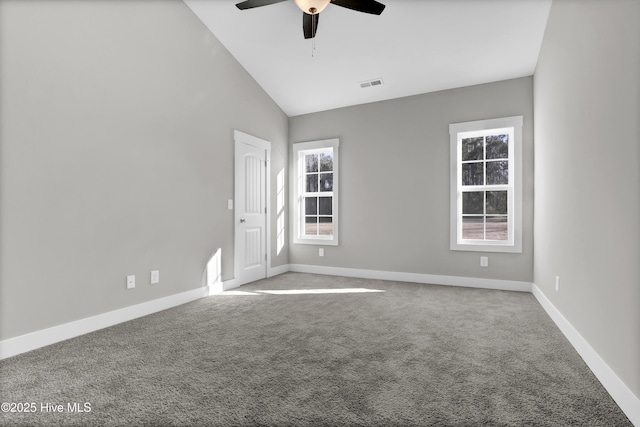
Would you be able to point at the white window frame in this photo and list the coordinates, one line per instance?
(458, 131)
(301, 149)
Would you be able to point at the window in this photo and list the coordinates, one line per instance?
(486, 185)
(316, 192)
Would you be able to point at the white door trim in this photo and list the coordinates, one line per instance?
(244, 138)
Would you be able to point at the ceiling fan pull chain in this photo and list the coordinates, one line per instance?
(313, 39)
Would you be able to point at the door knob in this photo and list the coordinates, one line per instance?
(243, 220)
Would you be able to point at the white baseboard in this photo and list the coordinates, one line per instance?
(274, 271)
(505, 285)
(230, 284)
(44, 337)
(624, 397)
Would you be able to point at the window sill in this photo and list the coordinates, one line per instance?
(474, 247)
(333, 241)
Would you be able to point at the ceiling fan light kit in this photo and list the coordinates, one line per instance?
(312, 9)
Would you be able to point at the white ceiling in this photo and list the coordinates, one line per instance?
(414, 47)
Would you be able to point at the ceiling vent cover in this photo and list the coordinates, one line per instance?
(371, 83)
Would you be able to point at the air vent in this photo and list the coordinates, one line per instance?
(370, 83)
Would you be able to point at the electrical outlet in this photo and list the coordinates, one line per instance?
(320, 251)
(557, 283)
(484, 261)
(131, 282)
(155, 277)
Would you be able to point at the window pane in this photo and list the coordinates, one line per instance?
(472, 202)
(325, 227)
(326, 181)
(498, 147)
(326, 205)
(472, 148)
(312, 183)
(311, 206)
(326, 162)
(311, 226)
(473, 173)
(311, 161)
(497, 202)
(497, 228)
(473, 227)
(498, 172)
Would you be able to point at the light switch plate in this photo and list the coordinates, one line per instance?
(131, 282)
(155, 277)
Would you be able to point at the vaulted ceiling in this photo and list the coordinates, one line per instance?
(413, 47)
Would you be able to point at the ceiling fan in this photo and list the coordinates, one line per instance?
(312, 9)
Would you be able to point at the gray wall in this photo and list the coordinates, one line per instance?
(116, 155)
(587, 227)
(394, 182)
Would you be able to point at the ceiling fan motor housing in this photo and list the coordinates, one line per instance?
(312, 7)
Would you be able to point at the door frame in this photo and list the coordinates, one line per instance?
(244, 138)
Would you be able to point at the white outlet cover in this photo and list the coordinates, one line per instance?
(131, 282)
(484, 261)
(155, 277)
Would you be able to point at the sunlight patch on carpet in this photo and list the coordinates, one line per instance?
(232, 293)
(319, 291)
(301, 291)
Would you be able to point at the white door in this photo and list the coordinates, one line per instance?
(251, 209)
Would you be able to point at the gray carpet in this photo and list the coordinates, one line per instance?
(413, 355)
